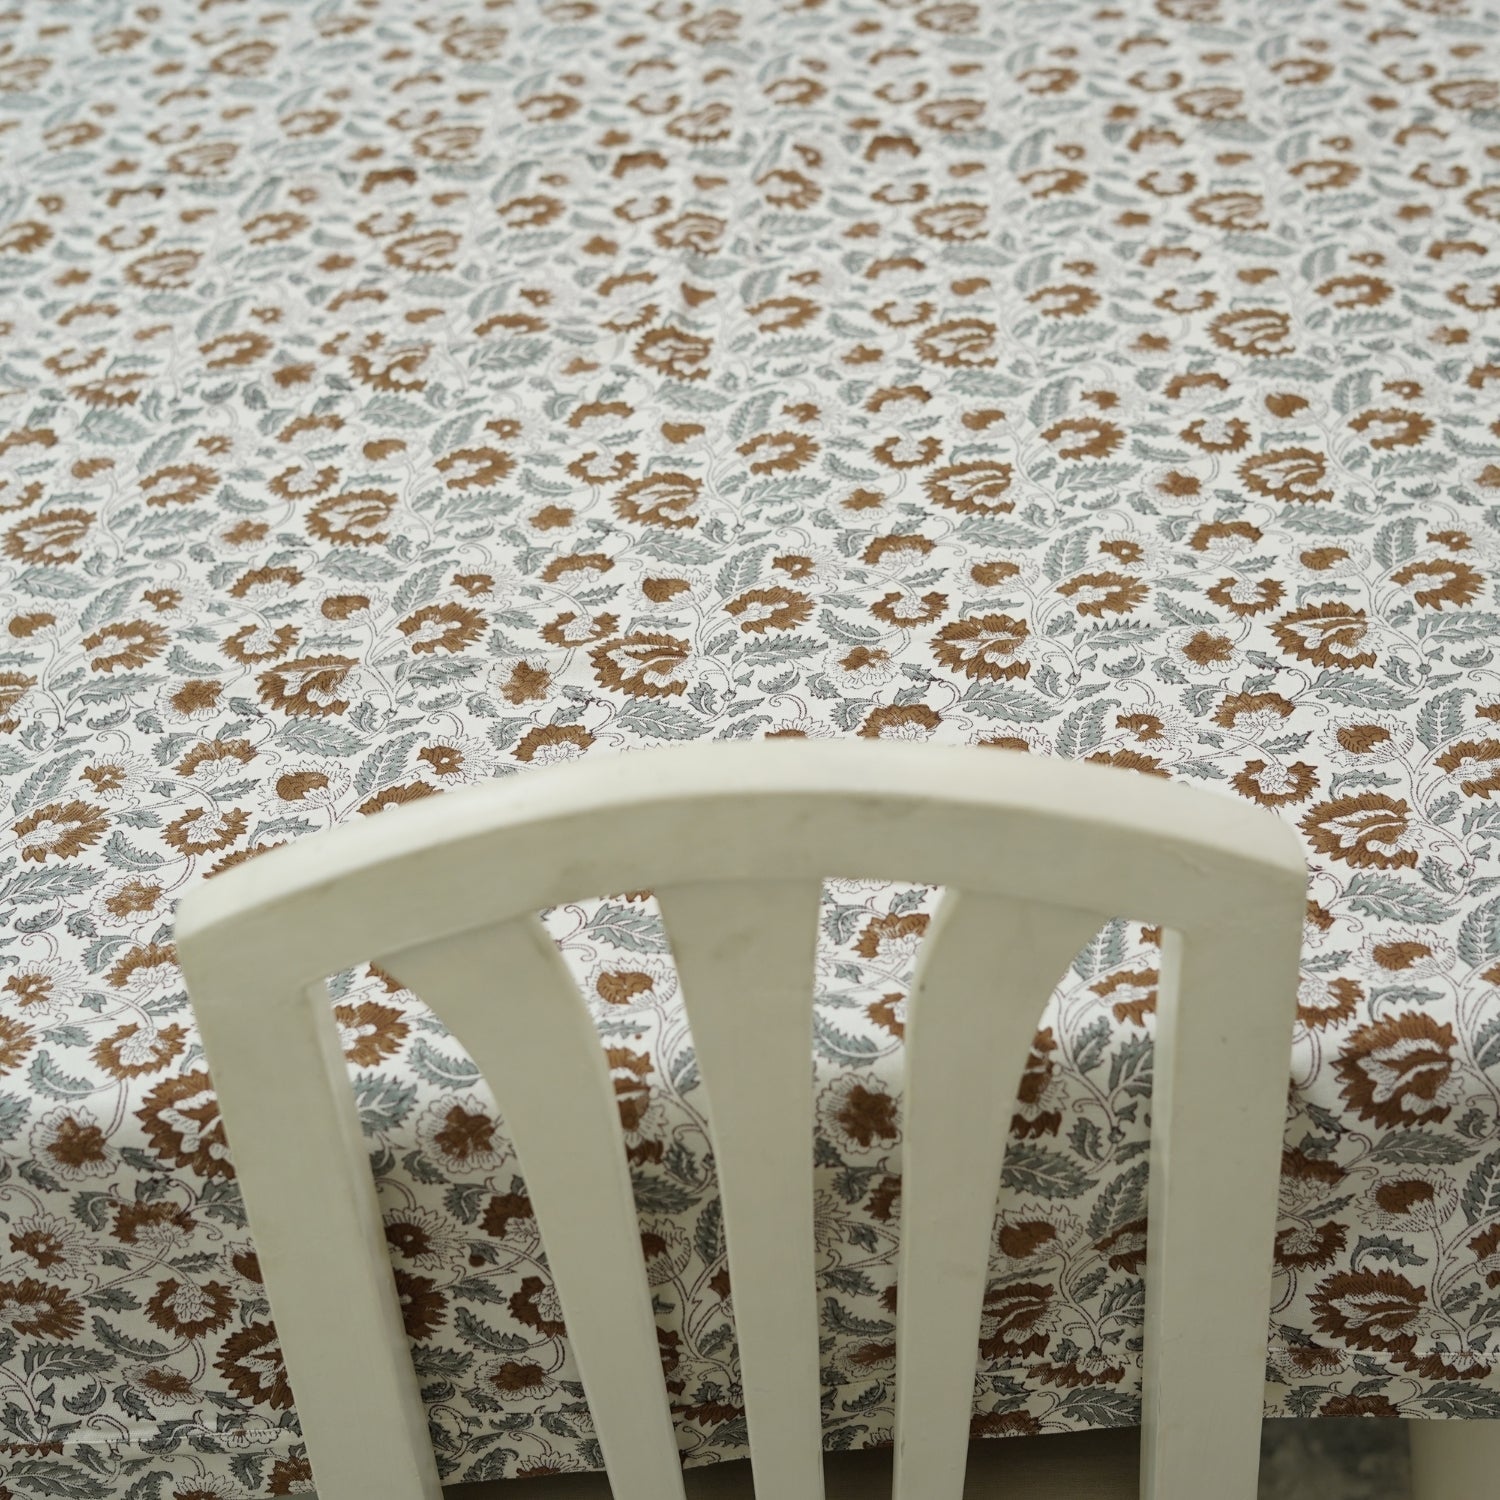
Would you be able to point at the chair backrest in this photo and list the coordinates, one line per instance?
(1034, 856)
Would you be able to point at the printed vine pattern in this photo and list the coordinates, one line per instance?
(394, 397)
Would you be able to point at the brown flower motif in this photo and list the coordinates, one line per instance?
(782, 452)
(1367, 831)
(760, 610)
(526, 684)
(130, 644)
(51, 538)
(1452, 582)
(1072, 300)
(1370, 1309)
(1260, 332)
(895, 928)
(164, 270)
(300, 480)
(974, 488)
(530, 213)
(16, 1040)
(1098, 594)
(307, 685)
(1084, 437)
(426, 250)
(474, 468)
(250, 1360)
(1472, 299)
(13, 688)
(60, 828)
(1245, 599)
(1139, 986)
(906, 452)
(553, 741)
(960, 344)
(896, 608)
(450, 627)
(699, 232)
(140, 961)
(1328, 635)
(16, 496)
(1053, 182)
(358, 518)
(200, 831)
(1394, 427)
(1320, 176)
(1017, 1320)
(371, 1032)
(782, 314)
(181, 1120)
(1287, 474)
(1274, 785)
(675, 353)
(602, 468)
(866, 1116)
(25, 235)
(290, 1476)
(663, 499)
(423, 1306)
(231, 350)
(984, 646)
(43, 1247)
(1129, 760)
(524, 1309)
(952, 222)
(1399, 1071)
(1355, 291)
(1237, 212)
(256, 643)
(1486, 1248)
(127, 1053)
(396, 796)
(1091, 1369)
(1302, 1248)
(568, 630)
(184, 1310)
(643, 664)
(1478, 761)
(1033, 1117)
(785, 187)
(1125, 1249)
(900, 721)
(178, 484)
(1004, 1424)
(38, 1310)
(1216, 436)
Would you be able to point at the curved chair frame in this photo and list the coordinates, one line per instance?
(734, 839)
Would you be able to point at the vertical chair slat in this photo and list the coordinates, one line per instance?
(506, 994)
(744, 952)
(985, 971)
(1212, 1207)
(301, 1163)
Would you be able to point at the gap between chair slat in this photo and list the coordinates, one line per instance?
(507, 996)
(745, 954)
(985, 971)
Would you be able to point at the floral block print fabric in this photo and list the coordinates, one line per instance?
(397, 396)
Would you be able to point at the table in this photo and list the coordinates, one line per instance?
(395, 397)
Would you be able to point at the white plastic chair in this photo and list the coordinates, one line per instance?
(735, 838)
